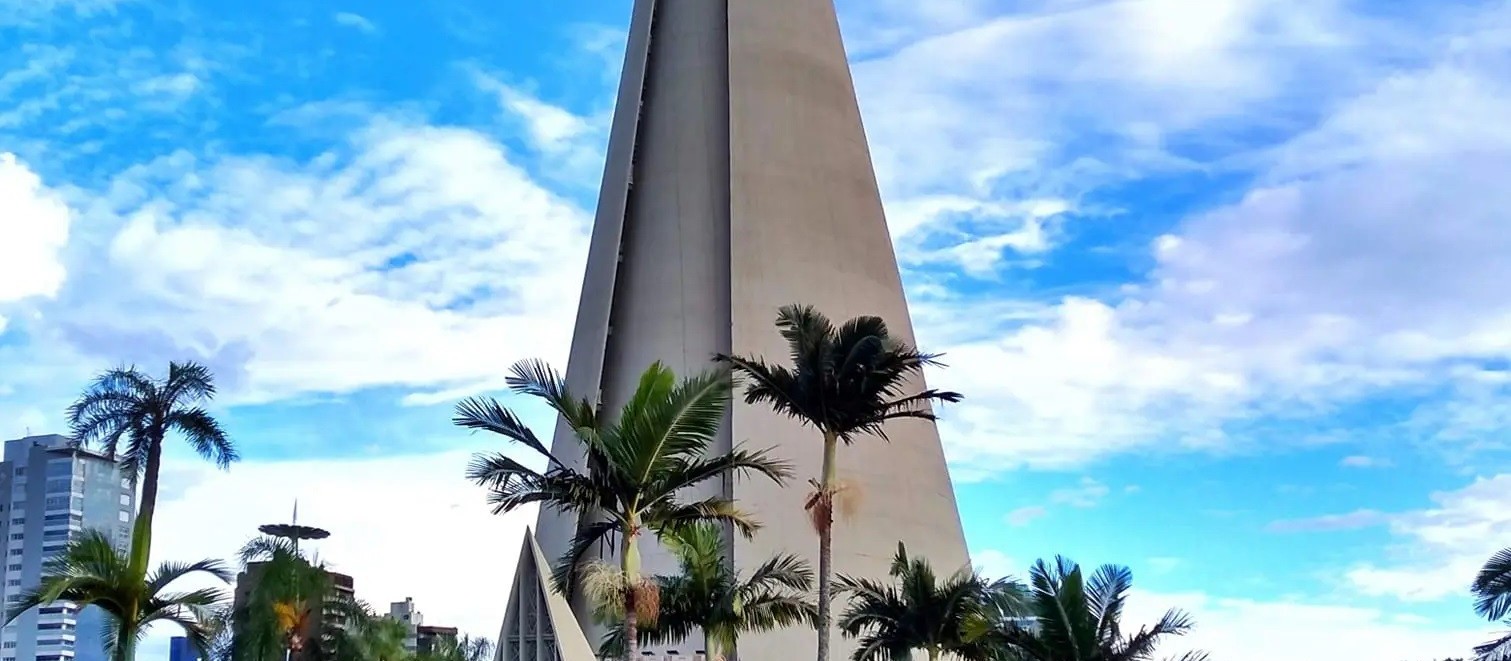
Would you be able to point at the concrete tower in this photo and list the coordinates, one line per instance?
(739, 180)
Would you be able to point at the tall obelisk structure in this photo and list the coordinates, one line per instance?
(738, 180)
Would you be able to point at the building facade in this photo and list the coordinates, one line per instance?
(406, 613)
(52, 493)
(431, 639)
(738, 178)
(179, 649)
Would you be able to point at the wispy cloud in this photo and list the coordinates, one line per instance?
(1025, 515)
(356, 22)
(404, 257)
(1331, 522)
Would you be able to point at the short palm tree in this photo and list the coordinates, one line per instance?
(129, 414)
(91, 571)
(284, 604)
(1068, 617)
(466, 648)
(917, 611)
(709, 596)
(1492, 600)
(845, 382)
(364, 635)
(657, 446)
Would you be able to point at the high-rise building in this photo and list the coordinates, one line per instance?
(179, 649)
(738, 180)
(53, 492)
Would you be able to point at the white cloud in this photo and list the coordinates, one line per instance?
(572, 144)
(994, 564)
(34, 224)
(434, 539)
(414, 255)
(355, 21)
(1052, 99)
(1439, 550)
(1367, 259)
(1226, 627)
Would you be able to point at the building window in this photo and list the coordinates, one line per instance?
(20, 471)
(11, 644)
(57, 502)
(125, 516)
(18, 536)
(125, 500)
(15, 567)
(14, 582)
(18, 521)
(15, 551)
(54, 534)
(125, 483)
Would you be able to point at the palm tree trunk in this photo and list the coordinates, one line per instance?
(630, 563)
(711, 651)
(141, 538)
(125, 643)
(826, 544)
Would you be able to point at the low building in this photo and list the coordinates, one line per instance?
(430, 639)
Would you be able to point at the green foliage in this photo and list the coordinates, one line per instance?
(917, 611)
(91, 571)
(709, 596)
(847, 380)
(635, 465)
(1067, 616)
(1492, 600)
(466, 648)
(284, 604)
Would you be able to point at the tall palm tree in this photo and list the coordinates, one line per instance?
(125, 407)
(91, 571)
(917, 612)
(1492, 600)
(636, 464)
(1072, 618)
(845, 382)
(285, 604)
(709, 596)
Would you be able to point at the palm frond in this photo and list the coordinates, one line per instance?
(486, 414)
(538, 379)
(204, 434)
(169, 572)
(1492, 586)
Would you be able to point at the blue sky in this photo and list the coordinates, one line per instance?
(1224, 282)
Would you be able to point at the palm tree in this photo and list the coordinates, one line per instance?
(709, 596)
(466, 648)
(845, 382)
(1066, 617)
(125, 406)
(91, 571)
(917, 612)
(365, 635)
(1492, 600)
(635, 466)
(285, 604)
